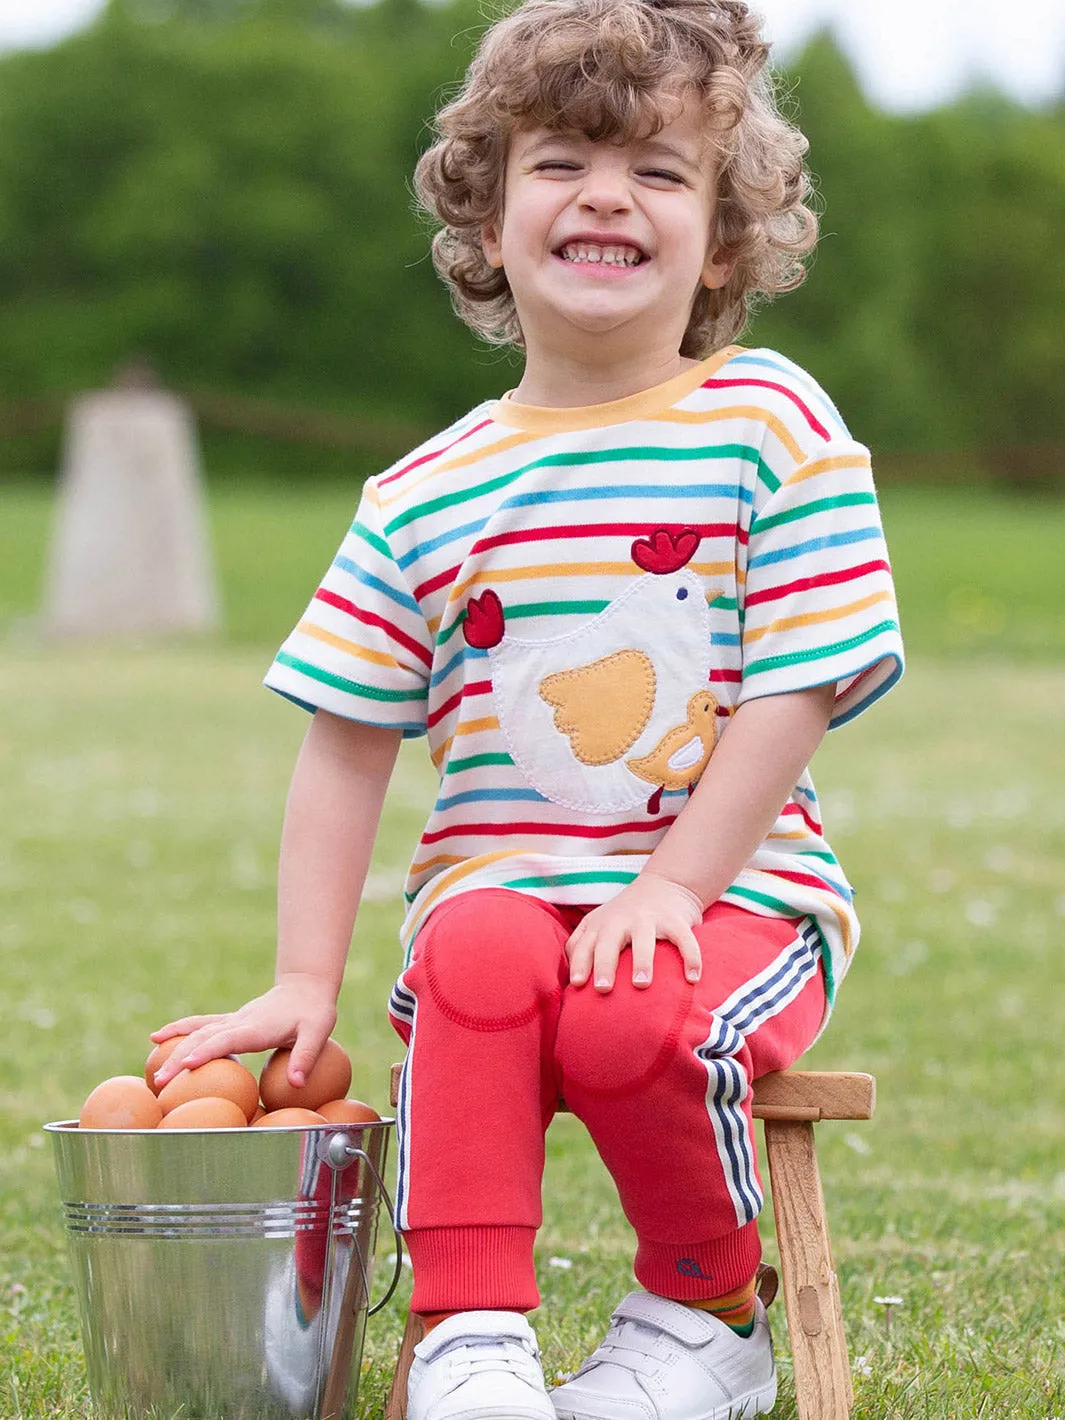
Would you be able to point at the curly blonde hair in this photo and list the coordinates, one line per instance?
(611, 69)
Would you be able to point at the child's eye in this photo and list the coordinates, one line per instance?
(663, 173)
(556, 164)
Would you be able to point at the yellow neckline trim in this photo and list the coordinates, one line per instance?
(538, 419)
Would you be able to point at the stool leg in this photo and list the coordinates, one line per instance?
(811, 1293)
(413, 1332)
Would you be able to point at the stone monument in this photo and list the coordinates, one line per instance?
(130, 551)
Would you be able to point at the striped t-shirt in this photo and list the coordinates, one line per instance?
(570, 603)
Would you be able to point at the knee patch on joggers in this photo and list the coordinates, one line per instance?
(486, 960)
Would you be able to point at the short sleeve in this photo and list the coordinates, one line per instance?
(362, 649)
(819, 603)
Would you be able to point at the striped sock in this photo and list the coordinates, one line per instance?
(735, 1309)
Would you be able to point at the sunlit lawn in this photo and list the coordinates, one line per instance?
(142, 795)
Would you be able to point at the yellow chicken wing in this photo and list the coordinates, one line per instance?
(602, 707)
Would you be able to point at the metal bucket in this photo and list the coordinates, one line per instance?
(223, 1274)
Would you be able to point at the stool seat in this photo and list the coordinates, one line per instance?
(789, 1103)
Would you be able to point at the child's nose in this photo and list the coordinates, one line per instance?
(606, 190)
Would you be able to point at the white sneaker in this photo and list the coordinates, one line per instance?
(661, 1360)
(478, 1366)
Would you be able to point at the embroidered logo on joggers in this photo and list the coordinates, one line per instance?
(689, 1267)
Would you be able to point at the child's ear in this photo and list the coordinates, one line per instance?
(491, 244)
(718, 269)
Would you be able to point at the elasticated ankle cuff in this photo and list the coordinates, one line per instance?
(472, 1269)
(688, 1272)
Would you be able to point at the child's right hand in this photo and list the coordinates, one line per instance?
(299, 1011)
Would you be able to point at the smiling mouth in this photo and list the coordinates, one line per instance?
(617, 254)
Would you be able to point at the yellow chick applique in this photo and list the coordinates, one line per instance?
(681, 755)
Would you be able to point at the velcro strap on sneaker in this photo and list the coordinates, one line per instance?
(463, 1328)
(685, 1324)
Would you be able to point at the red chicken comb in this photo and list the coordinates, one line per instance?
(664, 551)
(483, 627)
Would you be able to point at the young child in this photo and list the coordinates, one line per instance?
(624, 602)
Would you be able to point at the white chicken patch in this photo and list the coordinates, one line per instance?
(624, 689)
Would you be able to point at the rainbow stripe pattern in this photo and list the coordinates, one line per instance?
(542, 508)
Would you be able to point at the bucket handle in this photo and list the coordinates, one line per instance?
(339, 1153)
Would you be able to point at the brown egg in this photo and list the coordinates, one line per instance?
(259, 1112)
(226, 1078)
(329, 1080)
(207, 1112)
(123, 1102)
(348, 1112)
(288, 1119)
(156, 1058)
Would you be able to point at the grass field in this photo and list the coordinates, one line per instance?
(142, 794)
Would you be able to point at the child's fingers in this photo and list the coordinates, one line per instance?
(201, 1046)
(684, 939)
(644, 938)
(579, 950)
(171, 1066)
(305, 1052)
(212, 1047)
(185, 1026)
(577, 933)
(608, 945)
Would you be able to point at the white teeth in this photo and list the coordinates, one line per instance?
(601, 255)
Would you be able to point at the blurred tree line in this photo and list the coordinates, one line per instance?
(224, 186)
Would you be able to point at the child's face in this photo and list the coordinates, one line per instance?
(607, 238)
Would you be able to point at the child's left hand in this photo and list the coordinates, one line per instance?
(650, 909)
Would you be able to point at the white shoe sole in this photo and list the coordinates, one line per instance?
(755, 1402)
(494, 1412)
(497, 1412)
(500, 1412)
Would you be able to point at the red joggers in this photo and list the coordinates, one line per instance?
(660, 1076)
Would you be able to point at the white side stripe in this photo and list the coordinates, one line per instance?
(403, 1005)
(756, 1002)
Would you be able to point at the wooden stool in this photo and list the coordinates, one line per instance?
(789, 1104)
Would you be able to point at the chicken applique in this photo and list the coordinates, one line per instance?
(594, 715)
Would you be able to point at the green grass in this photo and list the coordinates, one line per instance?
(142, 797)
(978, 573)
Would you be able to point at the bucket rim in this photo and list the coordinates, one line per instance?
(66, 1127)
